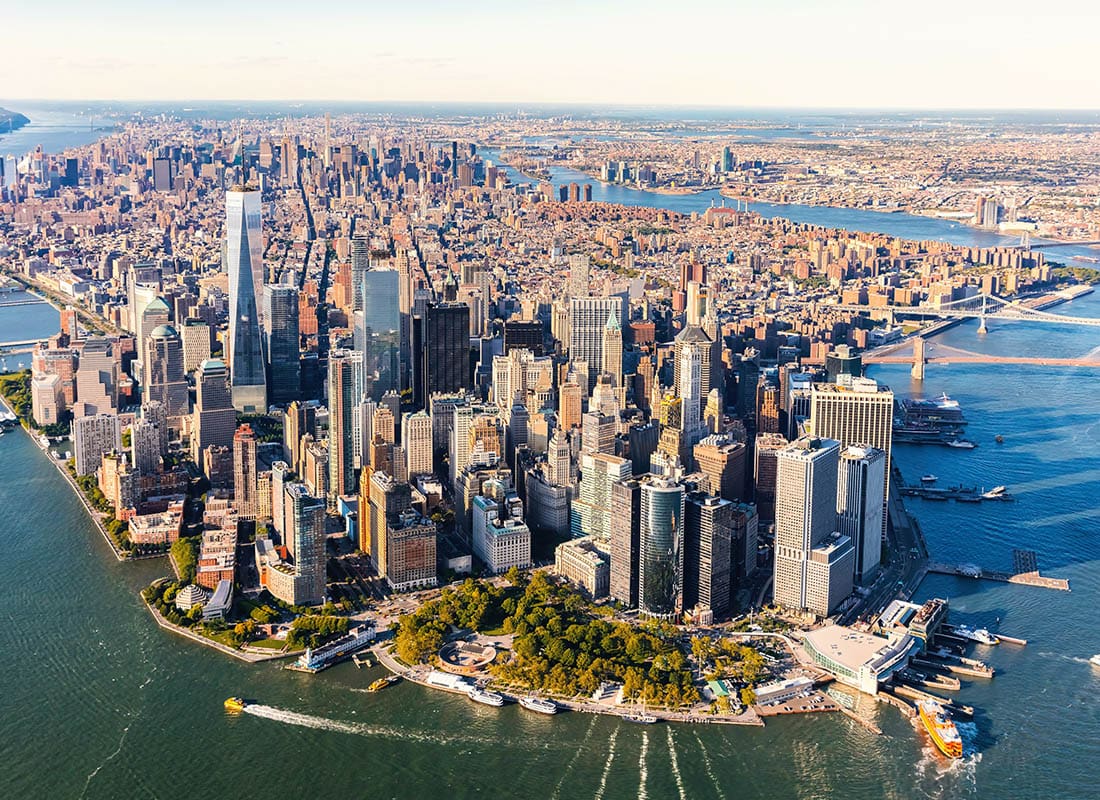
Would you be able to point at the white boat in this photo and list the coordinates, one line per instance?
(1095, 660)
(486, 697)
(640, 719)
(962, 444)
(532, 703)
(929, 478)
(979, 635)
(995, 492)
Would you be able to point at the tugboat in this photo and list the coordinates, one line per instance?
(941, 728)
(235, 704)
(486, 697)
(537, 704)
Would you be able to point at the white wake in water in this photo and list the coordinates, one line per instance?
(607, 766)
(573, 760)
(709, 768)
(643, 772)
(675, 764)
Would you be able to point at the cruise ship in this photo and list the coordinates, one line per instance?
(486, 697)
(941, 728)
(532, 703)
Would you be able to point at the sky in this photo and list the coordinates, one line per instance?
(724, 53)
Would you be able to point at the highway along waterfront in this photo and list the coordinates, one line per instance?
(95, 694)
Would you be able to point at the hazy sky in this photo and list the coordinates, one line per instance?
(829, 53)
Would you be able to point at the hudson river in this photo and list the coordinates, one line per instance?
(100, 703)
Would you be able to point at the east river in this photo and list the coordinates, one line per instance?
(98, 702)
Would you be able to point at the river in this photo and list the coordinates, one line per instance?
(100, 703)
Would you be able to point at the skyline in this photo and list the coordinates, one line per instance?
(796, 56)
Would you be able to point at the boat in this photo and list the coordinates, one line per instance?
(486, 697)
(640, 719)
(941, 728)
(235, 704)
(999, 439)
(382, 683)
(962, 444)
(979, 635)
(532, 703)
(929, 478)
(995, 493)
(1095, 660)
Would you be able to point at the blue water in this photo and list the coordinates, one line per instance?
(53, 128)
(20, 323)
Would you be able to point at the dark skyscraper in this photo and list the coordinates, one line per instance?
(445, 349)
(523, 334)
(381, 335)
(281, 340)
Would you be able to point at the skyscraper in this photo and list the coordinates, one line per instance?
(244, 472)
(445, 350)
(244, 265)
(661, 548)
(214, 419)
(281, 338)
(97, 377)
(305, 540)
(416, 438)
(341, 408)
(360, 263)
(813, 565)
(861, 414)
(590, 514)
(722, 460)
(145, 447)
(708, 529)
(166, 380)
(859, 506)
(587, 321)
(381, 331)
(626, 498)
(92, 437)
(612, 355)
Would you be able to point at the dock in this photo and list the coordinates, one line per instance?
(916, 694)
(1021, 578)
(969, 667)
(960, 494)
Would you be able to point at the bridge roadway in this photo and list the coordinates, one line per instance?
(939, 353)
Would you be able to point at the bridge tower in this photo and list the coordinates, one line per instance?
(982, 329)
(1025, 240)
(918, 359)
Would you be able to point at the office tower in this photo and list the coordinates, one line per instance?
(305, 539)
(300, 418)
(154, 413)
(383, 425)
(591, 511)
(559, 461)
(196, 343)
(380, 333)
(859, 506)
(722, 461)
(523, 335)
(689, 385)
(445, 350)
(813, 564)
(598, 433)
(97, 377)
(167, 382)
(626, 498)
(501, 539)
(861, 415)
(214, 420)
(764, 473)
(280, 478)
(416, 438)
(570, 402)
(360, 263)
(385, 497)
(245, 489)
(92, 437)
(767, 407)
(842, 361)
(281, 340)
(710, 360)
(341, 405)
(579, 266)
(743, 537)
(145, 452)
(410, 552)
(154, 314)
(244, 265)
(587, 321)
(708, 529)
(661, 548)
(612, 355)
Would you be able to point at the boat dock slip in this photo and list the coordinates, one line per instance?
(957, 668)
(916, 694)
(1012, 640)
(1023, 577)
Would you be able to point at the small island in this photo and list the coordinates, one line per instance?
(11, 120)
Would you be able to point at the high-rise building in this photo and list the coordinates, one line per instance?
(416, 438)
(166, 382)
(708, 529)
(842, 361)
(380, 334)
(722, 461)
(280, 473)
(410, 552)
(92, 437)
(385, 498)
(444, 364)
(860, 414)
(661, 548)
(612, 355)
(342, 397)
(360, 263)
(501, 539)
(281, 340)
(97, 377)
(587, 321)
(813, 564)
(244, 265)
(590, 514)
(859, 505)
(570, 397)
(196, 343)
(145, 452)
(306, 541)
(214, 420)
(765, 471)
(154, 314)
(626, 498)
(245, 489)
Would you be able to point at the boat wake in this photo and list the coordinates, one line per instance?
(573, 760)
(106, 761)
(643, 772)
(710, 769)
(675, 764)
(607, 766)
(1064, 657)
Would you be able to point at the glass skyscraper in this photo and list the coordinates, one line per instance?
(661, 549)
(244, 265)
(281, 339)
(381, 334)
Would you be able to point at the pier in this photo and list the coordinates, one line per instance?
(960, 494)
(1023, 578)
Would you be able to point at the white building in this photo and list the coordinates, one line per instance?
(859, 505)
(416, 439)
(582, 562)
(92, 437)
(501, 538)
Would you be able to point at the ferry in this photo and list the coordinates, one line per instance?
(486, 697)
(979, 635)
(235, 704)
(382, 683)
(962, 444)
(532, 703)
(929, 478)
(996, 493)
(941, 728)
